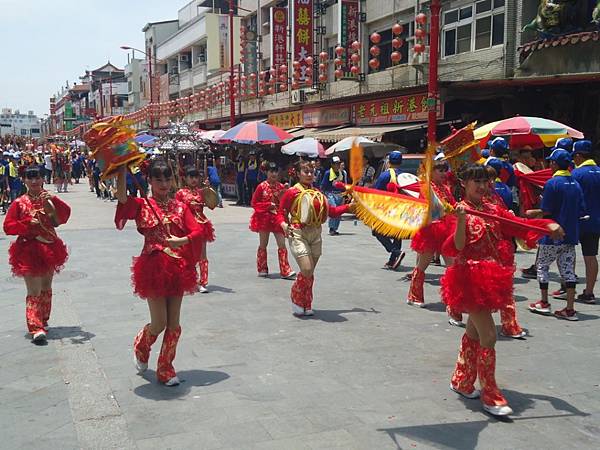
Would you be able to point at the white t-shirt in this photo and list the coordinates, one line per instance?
(48, 162)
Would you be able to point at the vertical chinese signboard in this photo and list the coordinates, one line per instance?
(302, 33)
(348, 26)
(278, 36)
(408, 108)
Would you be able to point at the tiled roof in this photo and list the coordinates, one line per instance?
(569, 39)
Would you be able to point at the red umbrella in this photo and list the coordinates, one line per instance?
(255, 133)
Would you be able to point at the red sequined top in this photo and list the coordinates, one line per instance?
(267, 194)
(25, 208)
(176, 219)
(195, 201)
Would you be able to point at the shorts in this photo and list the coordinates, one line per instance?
(564, 254)
(306, 242)
(589, 243)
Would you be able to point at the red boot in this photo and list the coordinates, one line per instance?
(165, 371)
(465, 372)
(46, 298)
(300, 288)
(284, 266)
(34, 315)
(493, 400)
(415, 294)
(309, 297)
(203, 275)
(510, 326)
(141, 348)
(261, 262)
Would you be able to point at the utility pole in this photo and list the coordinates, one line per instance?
(231, 85)
(432, 85)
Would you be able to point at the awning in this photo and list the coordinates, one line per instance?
(374, 133)
(313, 132)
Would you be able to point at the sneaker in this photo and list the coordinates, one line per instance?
(289, 276)
(456, 323)
(498, 410)
(263, 274)
(407, 277)
(561, 294)
(309, 312)
(519, 335)
(398, 260)
(566, 314)
(529, 272)
(436, 262)
(39, 337)
(173, 382)
(139, 365)
(472, 395)
(540, 307)
(388, 265)
(415, 303)
(586, 298)
(297, 310)
(202, 289)
(333, 233)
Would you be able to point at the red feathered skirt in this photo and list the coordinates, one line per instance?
(158, 275)
(261, 221)
(207, 231)
(30, 257)
(430, 239)
(477, 285)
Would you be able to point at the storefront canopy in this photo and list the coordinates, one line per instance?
(375, 133)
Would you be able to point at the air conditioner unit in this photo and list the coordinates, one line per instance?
(298, 96)
(184, 58)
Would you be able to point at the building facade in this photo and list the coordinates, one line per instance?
(15, 123)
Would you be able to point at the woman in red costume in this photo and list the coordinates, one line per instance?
(193, 197)
(302, 212)
(165, 271)
(38, 253)
(479, 283)
(265, 202)
(428, 241)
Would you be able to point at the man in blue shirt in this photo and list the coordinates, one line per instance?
(251, 176)
(502, 189)
(390, 176)
(499, 149)
(587, 174)
(214, 179)
(240, 180)
(334, 195)
(563, 202)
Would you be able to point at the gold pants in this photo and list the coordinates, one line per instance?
(306, 242)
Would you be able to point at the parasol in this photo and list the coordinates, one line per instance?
(212, 135)
(309, 147)
(255, 132)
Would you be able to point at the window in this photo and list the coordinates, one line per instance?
(473, 27)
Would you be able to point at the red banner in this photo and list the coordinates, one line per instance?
(278, 36)
(302, 34)
(408, 108)
(348, 26)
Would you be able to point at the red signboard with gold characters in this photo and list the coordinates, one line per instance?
(302, 35)
(278, 36)
(407, 108)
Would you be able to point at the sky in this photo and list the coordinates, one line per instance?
(44, 43)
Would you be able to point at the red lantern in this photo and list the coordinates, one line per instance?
(296, 65)
(242, 29)
(309, 61)
(374, 64)
(283, 77)
(397, 43)
(338, 62)
(272, 80)
(355, 58)
(339, 73)
(397, 29)
(295, 85)
(263, 74)
(375, 38)
(322, 67)
(374, 51)
(419, 48)
(421, 19)
(323, 56)
(323, 78)
(253, 76)
(420, 33)
(271, 90)
(283, 87)
(355, 46)
(297, 74)
(396, 57)
(283, 68)
(261, 92)
(354, 70)
(308, 80)
(340, 50)
(272, 71)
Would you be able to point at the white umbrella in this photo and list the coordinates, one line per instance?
(212, 135)
(346, 144)
(309, 147)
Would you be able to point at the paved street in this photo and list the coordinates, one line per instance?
(367, 372)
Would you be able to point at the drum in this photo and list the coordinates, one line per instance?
(305, 208)
(406, 179)
(522, 167)
(211, 198)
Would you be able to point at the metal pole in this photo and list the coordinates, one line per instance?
(101, 99)
(432, 94)
(111, 94)
(231, 89)
(149, 55)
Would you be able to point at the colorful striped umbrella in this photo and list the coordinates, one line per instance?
(255, 133)
(522, 131)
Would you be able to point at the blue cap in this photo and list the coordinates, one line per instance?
(499, 145)
(584, 146)
(561, 157)
(496, 163)
(395, 157)
(565, 144)
(485, 153)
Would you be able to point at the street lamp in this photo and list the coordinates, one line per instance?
(150, 58)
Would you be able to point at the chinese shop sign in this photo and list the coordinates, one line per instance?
(286, 120)
(278, 36)
(408, 108)
(348, 26)
(302, 33)
(326, 117)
